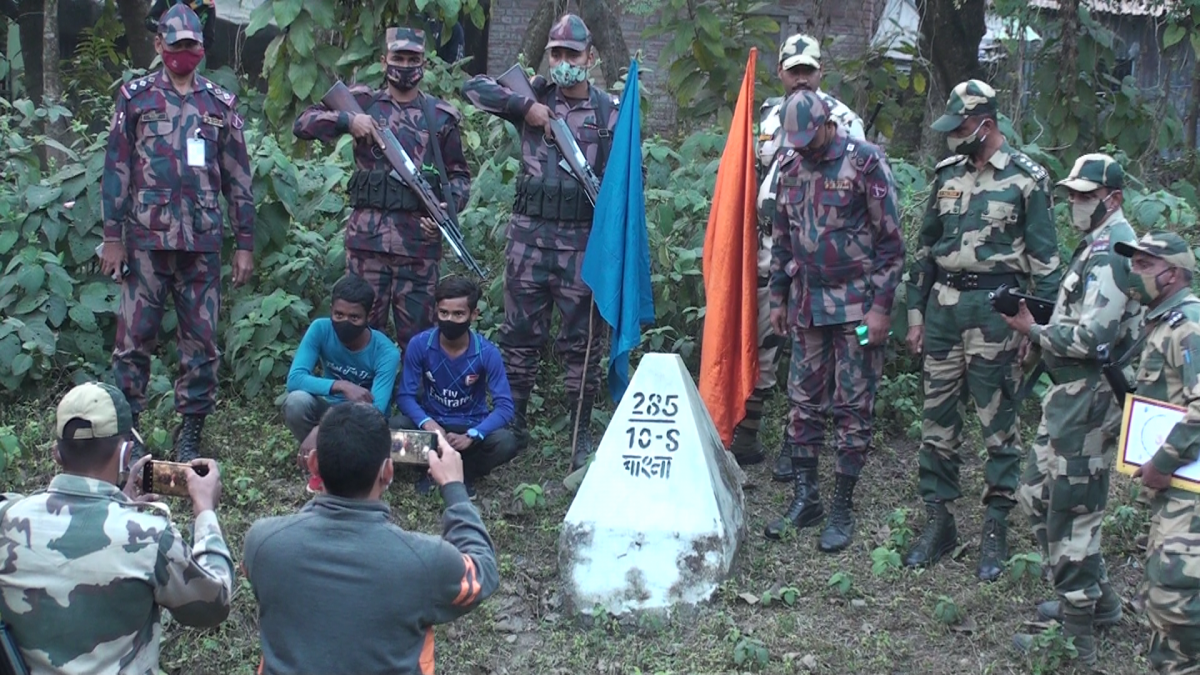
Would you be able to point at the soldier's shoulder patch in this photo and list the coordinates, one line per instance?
(1029, 166)
(1100, 244)
(220, 94)
(863, 155)
(134, 86)
(1175, 318)
(950, 161)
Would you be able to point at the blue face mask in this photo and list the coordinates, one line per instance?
(567, 74)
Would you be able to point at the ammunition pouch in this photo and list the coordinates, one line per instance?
(555, 200)
(380, 190)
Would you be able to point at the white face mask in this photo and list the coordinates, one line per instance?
(1086, 214)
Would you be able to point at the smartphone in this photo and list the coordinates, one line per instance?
(124, 266)
(168, 478)
(413, 447)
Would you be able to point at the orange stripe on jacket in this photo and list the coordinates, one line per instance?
(427, 653)
(469, 587)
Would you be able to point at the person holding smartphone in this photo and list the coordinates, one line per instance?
(379, 588)
(97, 562)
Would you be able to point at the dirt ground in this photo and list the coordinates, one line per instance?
(843, 617)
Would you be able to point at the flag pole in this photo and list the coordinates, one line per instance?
(587, 357)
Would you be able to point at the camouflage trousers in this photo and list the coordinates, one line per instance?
(832, 375)
(535, 280)
(1065, 486)
(768, 363)
(193, 280)
(1170, 591)
(403, 284)
(969, 353)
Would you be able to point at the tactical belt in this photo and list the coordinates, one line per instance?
(556, 200)
(977, 281)
(380, 190)
(1072, 372)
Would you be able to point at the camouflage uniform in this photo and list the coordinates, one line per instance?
(984, 227)
(1170, 591)
(545, 255)
(1065, 486)
(206, 10)
(797, 49)
(168, 157)
(86, 570)
(384, 241)
(838, 253)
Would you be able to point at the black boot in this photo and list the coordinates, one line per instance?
(1108, 610)
(839, 529)
(187, 438)
(939, 537)
(806, 506)
(138, 450)
(583, 442)
(993, 548)
(520, 423)
(745, 447)
(782, 471)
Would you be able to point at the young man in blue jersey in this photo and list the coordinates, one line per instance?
(357, 364)
(449, 370)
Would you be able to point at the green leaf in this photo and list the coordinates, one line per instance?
(83, 317)
(324, 12)
(56, 310)
(1172, 35)
(300, 36)
(358, 50)
(303, 74)
(265, 366)
(286, 12)
(260, 17)
(38, 196)
(21, 364)
(918, 82)
(272, 54)
(31, 278)
(1195, 39)
(8, 238)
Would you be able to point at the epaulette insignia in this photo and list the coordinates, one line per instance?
(1030, 166)
(1175, 318)
(1100, 244)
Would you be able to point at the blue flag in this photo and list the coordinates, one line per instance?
(616, 264)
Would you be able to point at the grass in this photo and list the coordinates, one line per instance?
(845, 617)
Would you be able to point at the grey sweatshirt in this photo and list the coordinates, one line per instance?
(343, 591)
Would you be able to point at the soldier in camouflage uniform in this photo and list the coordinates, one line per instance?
(1065, 487)
(175, 143)
(1162, 274)
(799, 69)
(551, 221)
(390, 241)
(88, 567)
(988, 224)
(837, 258)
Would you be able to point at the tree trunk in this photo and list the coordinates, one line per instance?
(140, 40)
(475, 41)
(51, 81)
(9, 9)
(605, 25)
(30, 26)
(1069, 54)
(1193, 109)
(537, 34)
(950, 35)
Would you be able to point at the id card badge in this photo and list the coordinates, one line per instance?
(195, 152)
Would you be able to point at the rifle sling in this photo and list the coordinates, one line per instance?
(443, 178)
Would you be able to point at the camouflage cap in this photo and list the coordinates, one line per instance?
(405, 39)
(803, 114)
(800, 50)
(180, 23)
(1161, 244)
(570, 32)
(101, 406)
(1094, 171)
(972, 97)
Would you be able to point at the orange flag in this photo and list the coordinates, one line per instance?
(729, 352)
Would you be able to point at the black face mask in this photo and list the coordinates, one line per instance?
(348, 332)
(453, 329)
(405, 78)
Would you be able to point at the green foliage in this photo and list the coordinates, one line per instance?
(884, 561)
(947, 612)
(1025, 566)
(324, 40)
(1051, 652)
(531, 494)
(788, 595)
(10, 447)
(705, 59)
(750, 652)
(841, 582)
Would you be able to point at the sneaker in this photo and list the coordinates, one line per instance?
(315, 485)
(424, 485)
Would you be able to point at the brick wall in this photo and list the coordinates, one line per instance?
(851, 23)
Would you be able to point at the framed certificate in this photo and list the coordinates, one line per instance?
(1145, 425)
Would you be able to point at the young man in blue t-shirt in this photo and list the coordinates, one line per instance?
(449, 370)
(358, 364)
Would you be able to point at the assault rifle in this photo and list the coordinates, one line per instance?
(1008, 302)
(573, 159)
(405, 170)
(1114, 372)
(11, 661)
